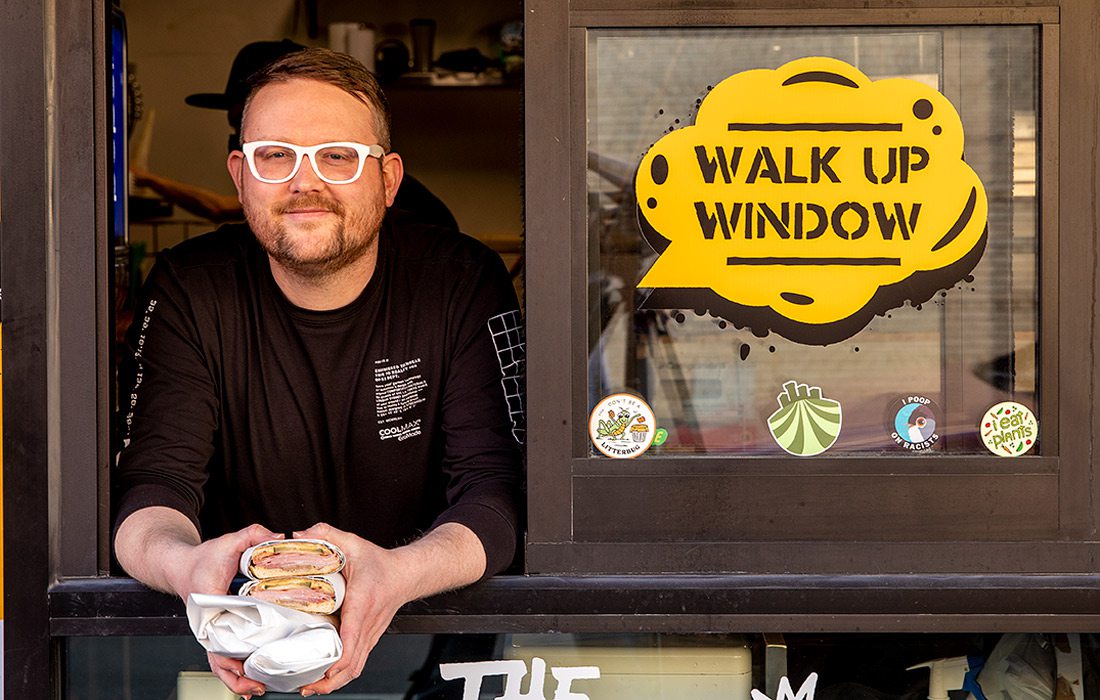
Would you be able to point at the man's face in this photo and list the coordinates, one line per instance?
(306, 225)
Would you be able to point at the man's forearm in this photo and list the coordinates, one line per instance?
(450, 556)
(149, 541)
(161, 548)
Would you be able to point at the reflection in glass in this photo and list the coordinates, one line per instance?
(713, 386)
(637, 666)
(400, 667)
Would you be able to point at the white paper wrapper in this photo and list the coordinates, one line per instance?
(280, 667)
(246, 556)
(337, 581)
(291, 648)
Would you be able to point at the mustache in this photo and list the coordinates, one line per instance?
(309, 201)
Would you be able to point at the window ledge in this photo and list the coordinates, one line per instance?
(674, 604)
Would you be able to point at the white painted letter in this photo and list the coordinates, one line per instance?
(474, 674)
(566, 676)
(534, 690)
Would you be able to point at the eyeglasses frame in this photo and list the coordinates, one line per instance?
(300, 152)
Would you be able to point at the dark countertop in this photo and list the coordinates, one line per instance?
(673, 603)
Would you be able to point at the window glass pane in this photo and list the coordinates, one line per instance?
(815, 666)
(400, 666)
(713, 385)
(630, 666)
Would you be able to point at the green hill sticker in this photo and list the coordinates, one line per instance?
(806, 423)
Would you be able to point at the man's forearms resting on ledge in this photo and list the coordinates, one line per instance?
(160, 547)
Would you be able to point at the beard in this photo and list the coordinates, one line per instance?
(314, 250)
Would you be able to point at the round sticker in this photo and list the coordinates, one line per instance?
(1009, 429)
(912, 422)
(622, 426)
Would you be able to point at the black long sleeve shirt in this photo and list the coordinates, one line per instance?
(387, 417)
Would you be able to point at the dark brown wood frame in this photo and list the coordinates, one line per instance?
(56, 297)
(1037, 514)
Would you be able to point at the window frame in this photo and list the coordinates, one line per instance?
(57, 293)
(552, 185)
(576, 512)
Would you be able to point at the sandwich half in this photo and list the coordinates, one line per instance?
(321, 595)
(276, 558)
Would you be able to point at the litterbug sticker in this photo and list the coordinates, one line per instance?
(622, 426)
(1009, 429)
(807, 199)
(806, 423)
(912, 422)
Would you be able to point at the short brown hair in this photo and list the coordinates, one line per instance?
(336, 69)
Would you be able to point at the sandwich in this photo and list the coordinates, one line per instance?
(281, 558)
(321, 595)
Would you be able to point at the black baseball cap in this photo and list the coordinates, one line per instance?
(249, 60)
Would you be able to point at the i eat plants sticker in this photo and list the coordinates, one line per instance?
(1009, 429)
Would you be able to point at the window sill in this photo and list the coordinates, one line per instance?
(674, 604)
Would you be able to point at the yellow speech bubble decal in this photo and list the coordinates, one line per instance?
(807, 199)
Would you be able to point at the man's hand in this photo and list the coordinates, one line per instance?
(209, 567)
(231, 673)
(380, 581)
(161, 548)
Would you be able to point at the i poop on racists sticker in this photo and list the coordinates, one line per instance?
(1009, 429)
(912, 422)
(622, 426)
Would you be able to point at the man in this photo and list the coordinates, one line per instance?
(328, 370)
(413, 196)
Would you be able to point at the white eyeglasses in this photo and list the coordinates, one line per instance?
(337, 163)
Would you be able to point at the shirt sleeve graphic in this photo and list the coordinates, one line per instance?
(507, 332)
